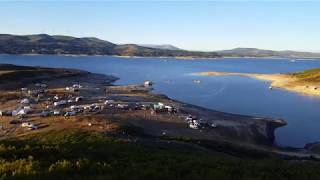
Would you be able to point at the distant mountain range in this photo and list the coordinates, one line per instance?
(162, 46)
(253, 52)
(67, 45)
(46, 44)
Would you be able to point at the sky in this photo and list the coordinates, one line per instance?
(191, 25)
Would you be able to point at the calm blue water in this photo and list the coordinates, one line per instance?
(233, 94)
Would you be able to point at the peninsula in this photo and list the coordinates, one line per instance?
(306, 82)
(56, 122)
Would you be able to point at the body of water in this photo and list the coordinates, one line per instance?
(241, 95)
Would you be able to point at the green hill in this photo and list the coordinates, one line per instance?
(46, 44)
(253, 52)
(58, 44)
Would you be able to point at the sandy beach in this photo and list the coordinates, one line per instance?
(283, 81)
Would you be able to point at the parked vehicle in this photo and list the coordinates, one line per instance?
(56, 112)
(45, 113)
(70, 113)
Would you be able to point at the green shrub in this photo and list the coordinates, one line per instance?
(19, 167)
(77, 155)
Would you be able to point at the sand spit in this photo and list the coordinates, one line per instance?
(283, 81)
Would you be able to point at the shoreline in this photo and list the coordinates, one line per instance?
(282, 81)
(248, 132)
(134, 57)
(175, 57)
(243, 127)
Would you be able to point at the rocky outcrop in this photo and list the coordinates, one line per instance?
(237, 128)
(313, 147)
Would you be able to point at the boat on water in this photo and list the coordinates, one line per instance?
(148, 83)
(196, 81)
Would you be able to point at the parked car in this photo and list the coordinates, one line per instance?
(45, 113)
(70, 113)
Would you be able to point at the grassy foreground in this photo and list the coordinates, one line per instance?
(77, 155)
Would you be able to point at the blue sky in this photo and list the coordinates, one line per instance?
(198, 25)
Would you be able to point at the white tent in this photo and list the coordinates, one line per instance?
(25, 101)
(62, 102)
(22, 112)
(27, 108)
(19, 111)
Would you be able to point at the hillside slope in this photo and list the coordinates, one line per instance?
(163, 46)
(57, 44)
(253, 52)
(46, 44)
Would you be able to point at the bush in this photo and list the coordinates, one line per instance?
(78, 155)
(19, 167)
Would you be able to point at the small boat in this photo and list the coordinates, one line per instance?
(148, 83)
(197, 81)
(270, 87)
(292, 60)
